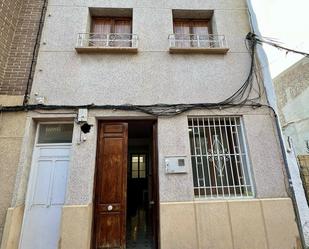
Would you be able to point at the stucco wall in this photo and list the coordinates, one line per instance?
(290, 84)
(173, 139)
(65, 77)
(150, 76)
(292, 89)
(11, 134)
(296, 113)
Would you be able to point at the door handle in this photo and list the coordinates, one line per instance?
(151, 203)
(109, 208)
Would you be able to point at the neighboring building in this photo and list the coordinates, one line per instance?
(19, 23)
(210, 177)
(292, 90)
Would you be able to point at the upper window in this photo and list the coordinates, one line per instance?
(194, 31)
(191, 33)
(111, 32)
(219, 157)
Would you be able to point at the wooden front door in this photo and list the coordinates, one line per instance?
(111, 186)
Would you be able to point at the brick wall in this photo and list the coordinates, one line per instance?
(9, 12)
(18, 40)
(304, 171)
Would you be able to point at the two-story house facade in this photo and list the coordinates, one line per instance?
(148, 127)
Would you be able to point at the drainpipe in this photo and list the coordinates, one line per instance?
(35, 52)
(271, 97)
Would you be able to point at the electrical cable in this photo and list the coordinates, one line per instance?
(239, 98)
(242, 97)
(275, 44)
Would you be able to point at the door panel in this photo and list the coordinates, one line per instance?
(45, 198)
(108, 229)
(110, 190)
(155, 187)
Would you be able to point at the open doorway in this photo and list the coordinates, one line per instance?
(126, 186)
(140, 232)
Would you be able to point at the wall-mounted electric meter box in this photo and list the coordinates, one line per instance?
(82, 115)
(175, 164)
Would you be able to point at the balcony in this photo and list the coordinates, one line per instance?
(111, 42)
(192, 43)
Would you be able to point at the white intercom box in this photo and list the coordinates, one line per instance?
(175, 164)
(82, 115)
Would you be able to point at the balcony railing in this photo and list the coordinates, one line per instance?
(111, 41)
(190, 42)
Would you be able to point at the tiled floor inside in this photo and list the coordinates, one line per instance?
(139, 234)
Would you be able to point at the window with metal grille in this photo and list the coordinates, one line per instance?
(219, 157)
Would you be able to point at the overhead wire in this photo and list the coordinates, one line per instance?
(242, 97)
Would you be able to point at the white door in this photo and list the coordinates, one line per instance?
(45, 197)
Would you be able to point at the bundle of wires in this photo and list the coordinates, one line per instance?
(240, 98)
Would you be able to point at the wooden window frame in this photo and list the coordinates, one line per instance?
(112, 19)
(146, 160)
(191, 22)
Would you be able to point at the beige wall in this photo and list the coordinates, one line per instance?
(76, 227)
(11, 134)
(233, 224)
(12, 228)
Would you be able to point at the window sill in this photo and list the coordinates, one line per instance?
(192, 50)
(106, 50)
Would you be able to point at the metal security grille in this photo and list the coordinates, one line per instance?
(219, 157)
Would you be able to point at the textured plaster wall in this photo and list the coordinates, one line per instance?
(65, 77)
(266, 157)
(290, 84)
(296, 112)
(11, 134)
(151, 76)
(173, 140)
(24, 163)
(292, 89)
